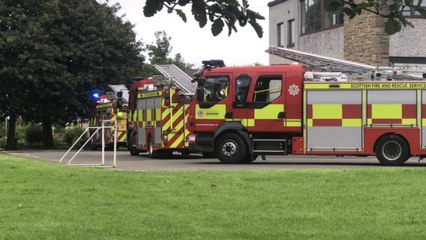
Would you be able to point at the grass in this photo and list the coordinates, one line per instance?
(48, 201)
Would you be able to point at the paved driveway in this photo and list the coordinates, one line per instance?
(197, 162)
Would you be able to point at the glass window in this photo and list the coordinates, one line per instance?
(215, 89)
(268, 88)
(407, 10)
(242, 87)
(311, 15)
(315, 17)
(291, 33)
(333, 18)
(280, 34)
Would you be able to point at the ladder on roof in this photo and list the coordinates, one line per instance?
(181, 79)
(121, 88)
(328, 64)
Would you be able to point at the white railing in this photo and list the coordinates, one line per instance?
(102, 128)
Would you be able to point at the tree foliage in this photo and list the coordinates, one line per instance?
(233, 12)
(159, 52)
(54, 52)
(219, 12)
(395, 11)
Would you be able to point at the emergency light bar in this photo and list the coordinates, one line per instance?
(213, 63)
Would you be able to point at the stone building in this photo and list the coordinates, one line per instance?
(306, 25)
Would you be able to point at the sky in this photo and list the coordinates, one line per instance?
(196, 44)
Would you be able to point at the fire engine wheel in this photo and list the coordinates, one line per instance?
(151, 152)
(231, 148)
(392, 150)
(132, 149)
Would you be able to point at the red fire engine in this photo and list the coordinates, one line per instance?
(112, 109)
(240, 113)
(157, 118)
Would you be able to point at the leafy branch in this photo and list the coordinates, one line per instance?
(393, 10)
(218, 12)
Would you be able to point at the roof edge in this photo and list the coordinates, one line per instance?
(275, 2)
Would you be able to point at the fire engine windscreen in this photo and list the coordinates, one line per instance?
(213, 89)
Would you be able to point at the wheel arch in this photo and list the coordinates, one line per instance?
(232, 127)
(389, 134)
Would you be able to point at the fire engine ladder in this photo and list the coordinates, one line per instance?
(121, 88)
(328, 64)
(180, 78)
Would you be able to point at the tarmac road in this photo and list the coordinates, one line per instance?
(197, 162)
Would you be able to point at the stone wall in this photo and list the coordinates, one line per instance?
(365, 40)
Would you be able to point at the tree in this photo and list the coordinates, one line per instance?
(231, 12)
(159, 53)
(218, 12)
(393, 10)
(56, 52)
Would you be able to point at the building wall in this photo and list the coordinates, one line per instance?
(361, 39)
(327, 43)
(282, 12)
(409, 42)
(365, 40)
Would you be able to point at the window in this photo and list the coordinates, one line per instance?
(242, 87)
(267, 89)
(333, 18)
(315, 17)
(215, 89)
(291, 33)
(407, 10)
(311, 15)
(280, 34)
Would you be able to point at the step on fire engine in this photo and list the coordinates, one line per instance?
(157, 118)
(240, 113)
(113, 107)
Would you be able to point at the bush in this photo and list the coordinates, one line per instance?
(72, 134)
(33, 134)
(3, 135)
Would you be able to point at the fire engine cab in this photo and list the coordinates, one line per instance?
(240, 113)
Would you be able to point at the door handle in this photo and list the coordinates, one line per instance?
(228, 115)
(281, 115)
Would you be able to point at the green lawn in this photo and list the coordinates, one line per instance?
(49, 201)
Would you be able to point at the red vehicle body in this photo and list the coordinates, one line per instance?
(157, 118)
(273, 110)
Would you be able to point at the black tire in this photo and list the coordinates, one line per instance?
(151, 152)
(133, 151)
(231, 148)
(392, 150)
(109, 147)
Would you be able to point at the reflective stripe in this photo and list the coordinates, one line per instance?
(351, 122)
(270, 111)
(389, 111)
(326, 111)
(215, 112)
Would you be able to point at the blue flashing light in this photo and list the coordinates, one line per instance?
(96, 94)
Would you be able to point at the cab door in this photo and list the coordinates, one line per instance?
(213, 98)
(266, 103)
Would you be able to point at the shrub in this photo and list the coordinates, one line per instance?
(72, 134)
(3, 135)
(33, 134)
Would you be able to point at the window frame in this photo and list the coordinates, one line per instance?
(291, 26)
(322, 15)
(280, 34)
